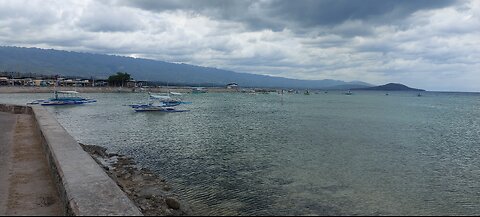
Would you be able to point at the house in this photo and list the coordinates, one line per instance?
(101, 83)
(83, 83)
(134, 84)
(67, 83)
(4, 81)
(28, 82)
(40, 83)
(131, 84)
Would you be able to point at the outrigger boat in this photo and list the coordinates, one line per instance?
(64, 98)
(348, 93)
(197, 90)
(159, 103)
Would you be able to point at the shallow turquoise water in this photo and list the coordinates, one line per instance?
(325, 154)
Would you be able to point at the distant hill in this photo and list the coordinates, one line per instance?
(52, 62)
(391, 87)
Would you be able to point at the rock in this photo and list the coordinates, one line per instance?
(110, 155)
(168, 212)
(167, 188)
(150, 192)
(149, 178)
(95, 150)
(148, 196)
(127, 176)
(138, 178)
(172, 203)
(145, 188)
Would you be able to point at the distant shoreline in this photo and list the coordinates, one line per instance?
(164, 89)
(10, 89)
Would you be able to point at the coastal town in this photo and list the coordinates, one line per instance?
(14, 82)
(36, 80)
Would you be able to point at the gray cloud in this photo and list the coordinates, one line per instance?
(100, 18)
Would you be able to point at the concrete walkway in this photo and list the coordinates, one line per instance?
(7, 124)
(26, 186)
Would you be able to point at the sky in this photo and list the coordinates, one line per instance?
(428, 44)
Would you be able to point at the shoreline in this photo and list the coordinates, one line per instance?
(149, 192)
(17, 89)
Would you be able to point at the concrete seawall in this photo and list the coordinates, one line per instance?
(84, 188)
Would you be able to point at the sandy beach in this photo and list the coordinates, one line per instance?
(20, 89)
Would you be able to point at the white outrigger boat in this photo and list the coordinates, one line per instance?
(197, 90)
(159, 103)
(64, 98)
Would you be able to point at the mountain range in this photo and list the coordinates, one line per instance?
(68, 63)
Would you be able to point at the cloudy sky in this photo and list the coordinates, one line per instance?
(430, 44)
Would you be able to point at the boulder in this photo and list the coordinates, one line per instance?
(172, 203)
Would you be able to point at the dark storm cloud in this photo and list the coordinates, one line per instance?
(279, 14)
(333, 12)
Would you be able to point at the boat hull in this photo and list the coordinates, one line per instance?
(158, 109)
(63, 103)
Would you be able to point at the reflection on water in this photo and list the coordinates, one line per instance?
(325, 154)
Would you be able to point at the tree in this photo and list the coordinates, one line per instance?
(119, 79)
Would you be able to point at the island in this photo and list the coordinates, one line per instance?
(390, 87)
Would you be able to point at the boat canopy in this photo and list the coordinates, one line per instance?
(160, 97)
(68, 92)
(176, 93)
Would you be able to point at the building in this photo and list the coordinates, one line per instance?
(101, 83)
(134, 84)
(75, 83)
(4, 81)
(40, 83)
(28, 82)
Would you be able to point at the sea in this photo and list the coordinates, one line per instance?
(293, 154)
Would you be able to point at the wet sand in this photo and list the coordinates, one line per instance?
(26, 185)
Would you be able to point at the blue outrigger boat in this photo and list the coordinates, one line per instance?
(64, 98)
(159, 103)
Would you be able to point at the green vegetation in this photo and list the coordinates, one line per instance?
(120, 79)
